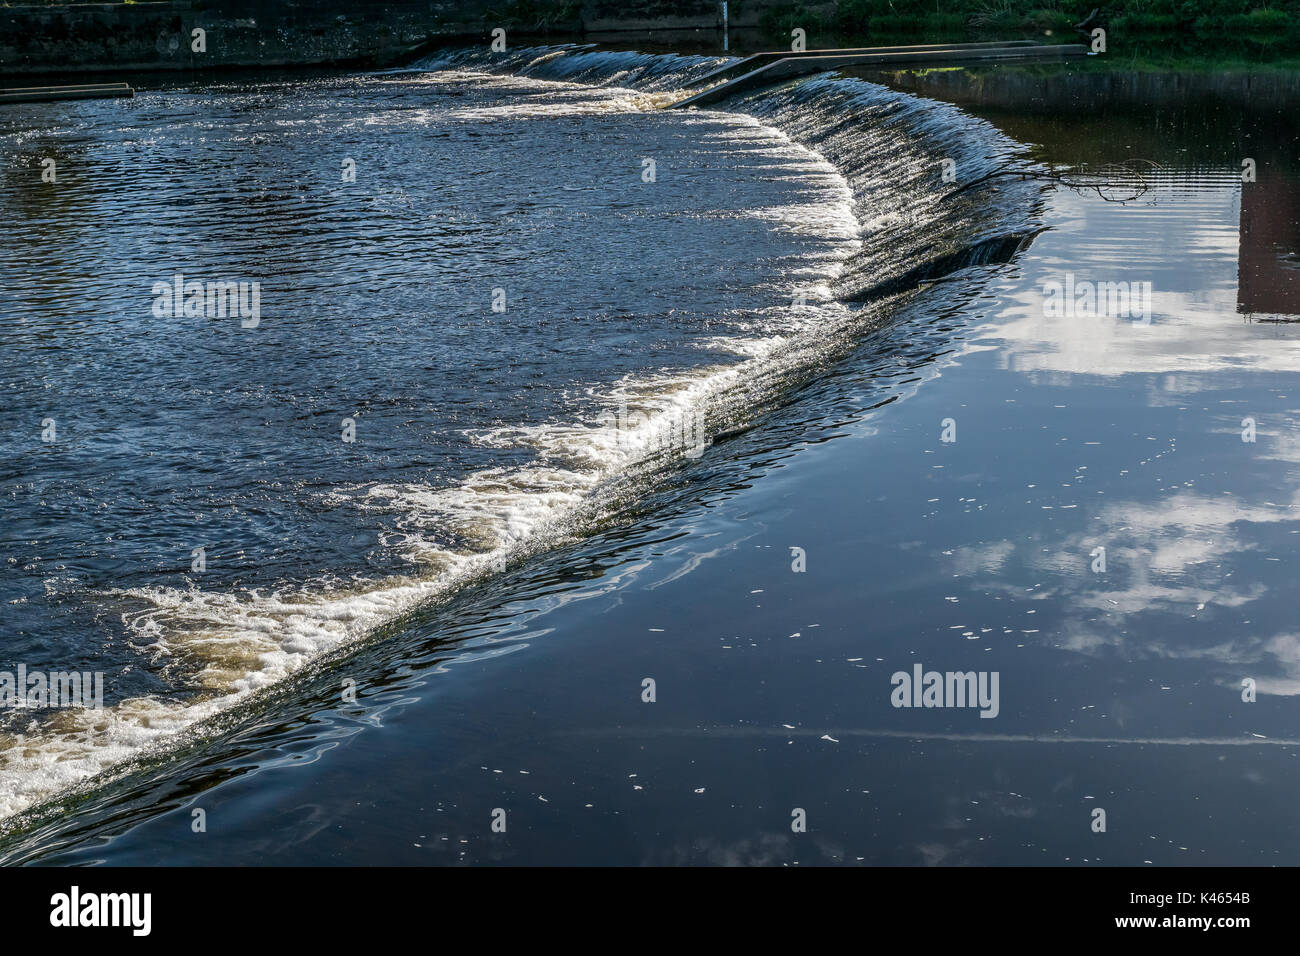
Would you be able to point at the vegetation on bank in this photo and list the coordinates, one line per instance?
(540, 15)
(1199, 23)
(1160, 33)
(1240, 30)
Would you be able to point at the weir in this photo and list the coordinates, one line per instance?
(45, 94)
(755, 60)
(783, 66)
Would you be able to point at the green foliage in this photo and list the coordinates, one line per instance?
(1158, 20)
(538, 14)
(1134, 23)
(1056, 21)
(1260, 21)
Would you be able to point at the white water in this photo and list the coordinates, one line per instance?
(233, 645)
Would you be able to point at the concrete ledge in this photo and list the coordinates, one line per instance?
(46, 94)
(819, 61)
(754, 61)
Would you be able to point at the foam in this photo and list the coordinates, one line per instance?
(233, 645)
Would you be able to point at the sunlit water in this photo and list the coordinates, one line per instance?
(482, 458)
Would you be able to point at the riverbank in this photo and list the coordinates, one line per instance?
(187, 35)
(1214, 24)
(106, 38)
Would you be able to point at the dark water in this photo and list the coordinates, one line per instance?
(474, 428)
(481, 460)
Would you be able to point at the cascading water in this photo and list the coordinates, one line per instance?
(688, 303)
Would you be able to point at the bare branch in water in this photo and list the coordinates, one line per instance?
(1115, 182)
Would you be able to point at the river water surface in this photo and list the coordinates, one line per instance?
(564, 392)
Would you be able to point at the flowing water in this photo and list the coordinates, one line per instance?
(549, 339)
(507, 305)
